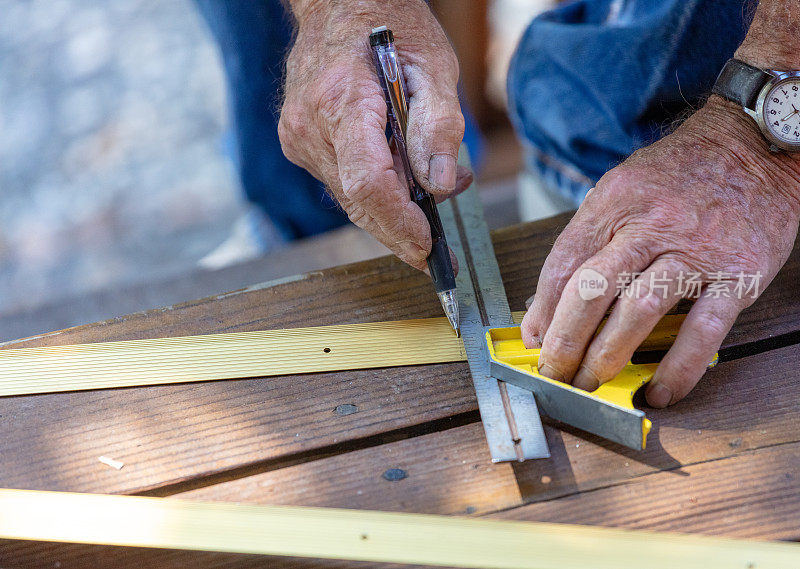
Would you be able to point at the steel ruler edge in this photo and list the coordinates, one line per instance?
(509, 414)
(361, 535)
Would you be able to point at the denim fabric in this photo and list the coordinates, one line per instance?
(593, 80)
(254, 37)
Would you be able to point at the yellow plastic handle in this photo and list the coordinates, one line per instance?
(505, 345)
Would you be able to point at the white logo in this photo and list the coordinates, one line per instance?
(591, 284)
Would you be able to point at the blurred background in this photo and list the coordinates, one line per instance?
(117, 188)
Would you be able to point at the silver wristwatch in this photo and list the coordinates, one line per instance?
(771, 98)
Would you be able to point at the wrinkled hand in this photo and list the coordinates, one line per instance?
(334, 115)
(708, 198)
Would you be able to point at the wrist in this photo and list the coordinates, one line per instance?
(725, 125)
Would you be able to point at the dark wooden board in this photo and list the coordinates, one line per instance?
(385, 289)
(735, 410)
(753, 495)
(171, 435)
(725, 462)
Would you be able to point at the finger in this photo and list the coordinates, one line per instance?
(435, 127)
(574, 246)
(637, 311)
(586, 297)
(464, 175)
(373, 195)
(464, 178)
(453, 261)
(699, 338)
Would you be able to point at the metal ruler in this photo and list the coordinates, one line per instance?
(509, 413)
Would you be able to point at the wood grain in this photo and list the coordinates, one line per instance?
(169, 434)
(173, 434)
(734, 411)
(386, 289)
(753, 495)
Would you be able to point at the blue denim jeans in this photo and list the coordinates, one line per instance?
(593, 80)
(254, 37)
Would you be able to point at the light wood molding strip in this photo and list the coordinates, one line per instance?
(227, 356)
(49, 369)
(170, 523)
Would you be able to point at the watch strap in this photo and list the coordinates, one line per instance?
(740, 83)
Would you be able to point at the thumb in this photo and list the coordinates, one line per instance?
(435, 131)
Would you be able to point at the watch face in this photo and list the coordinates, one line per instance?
(782, 110)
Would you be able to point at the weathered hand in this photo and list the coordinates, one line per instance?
(709, 198)
(334, 115)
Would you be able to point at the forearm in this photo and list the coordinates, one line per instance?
(773, 40)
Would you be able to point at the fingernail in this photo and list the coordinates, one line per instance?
(550, 372)
(442, 171)
(659, 395)
(585, 380)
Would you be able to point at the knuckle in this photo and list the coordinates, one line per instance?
(364, 185)
(682, 375)
(328, 105)
(560, 277)
(451, 60)
(373, 179)
(449, 124)
(619, 179)
(359, 217)
(646, 304)
(603, 358)
(359, 190)
(293, 124)
(711, 325)
(747, 260)
(554, 270)
(337, 96)
(561, 348)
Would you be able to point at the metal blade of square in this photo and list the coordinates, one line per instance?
(509, 414)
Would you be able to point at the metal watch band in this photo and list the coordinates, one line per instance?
(740, 83)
